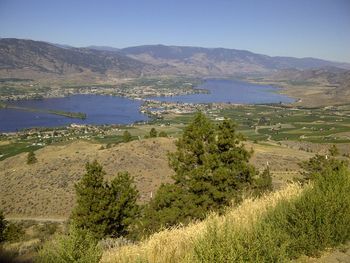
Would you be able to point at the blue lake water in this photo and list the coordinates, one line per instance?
(99, 110)
(232, 91)
(118, 110)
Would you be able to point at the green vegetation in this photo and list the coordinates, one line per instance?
(126, 136)
(278, 227)
(3, 225)
(75, 115)
(212, 170)
(162, 134)
(317, 219)
(31, 158)
(78, 245)
(15, 148)
(153, 133)
(105, 209)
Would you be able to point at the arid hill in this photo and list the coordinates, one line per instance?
(46, 189)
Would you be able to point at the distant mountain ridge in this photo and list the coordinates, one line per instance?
(27, 57)
(216, 57)
(36, 59)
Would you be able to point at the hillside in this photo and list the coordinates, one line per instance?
(36, 59)
(282, 226)
(219, 61)
(46, 189)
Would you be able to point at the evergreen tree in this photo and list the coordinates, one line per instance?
(211, 169)
(126, 136)
(92, 201)
(31, 158)
(122, 207)
(105, 209)
(153, 133)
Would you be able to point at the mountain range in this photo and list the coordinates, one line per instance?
(36, 59)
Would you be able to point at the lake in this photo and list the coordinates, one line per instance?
(232, 91)
(118, 110)
(99, 110)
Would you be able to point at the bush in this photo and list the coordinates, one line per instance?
(78, 246)
(153, 133)
(14, 232)
(31, 158)
(162, 134)
(3, 225)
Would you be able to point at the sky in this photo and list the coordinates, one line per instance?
(298, 28)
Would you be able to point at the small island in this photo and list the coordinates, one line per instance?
(74, 115)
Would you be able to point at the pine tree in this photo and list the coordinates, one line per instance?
(105, 209)
(211, 169)
(92, 201)
(122, 207)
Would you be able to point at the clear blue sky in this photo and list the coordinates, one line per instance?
(300, 28)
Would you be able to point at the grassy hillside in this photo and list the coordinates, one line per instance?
(278, 227)
(176, 245)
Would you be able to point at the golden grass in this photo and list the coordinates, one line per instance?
(177, 244)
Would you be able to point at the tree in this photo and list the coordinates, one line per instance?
(122, 207)
(92, 201)
(105, 209)
(31, 158)
(126, 136)
(153, 133)
(211, 169)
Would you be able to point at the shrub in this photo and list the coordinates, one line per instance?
(162, 134)
(3, 225)
(153, 133)
(14, 232)
(31, 158)
(78, 246)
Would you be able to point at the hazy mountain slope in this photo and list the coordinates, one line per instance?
(221, 61)
(39, 58)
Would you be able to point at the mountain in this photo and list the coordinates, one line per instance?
(36, 59)
(104, 48)
(41, 60)
(220, 61)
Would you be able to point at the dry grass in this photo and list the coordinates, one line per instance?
(176, 245)
(46, 188)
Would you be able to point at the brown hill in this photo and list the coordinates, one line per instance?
(46, 189)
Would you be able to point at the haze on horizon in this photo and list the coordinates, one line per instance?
(313, 28)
